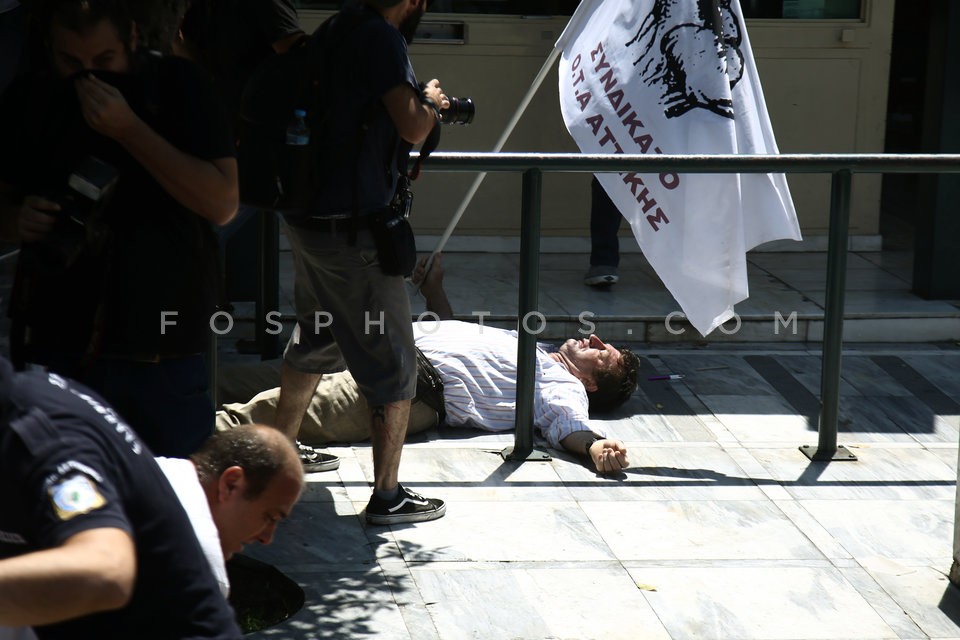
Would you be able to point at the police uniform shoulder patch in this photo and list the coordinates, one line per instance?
(75, 495)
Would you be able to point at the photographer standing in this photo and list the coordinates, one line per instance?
(350, 314)
(114, 164)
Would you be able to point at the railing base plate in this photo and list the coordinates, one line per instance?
(842, 454)
(533, 456)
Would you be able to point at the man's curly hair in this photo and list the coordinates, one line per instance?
(616, 384)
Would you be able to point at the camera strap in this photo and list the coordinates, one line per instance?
(429, 146)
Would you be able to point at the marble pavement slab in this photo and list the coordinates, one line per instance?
(898, 530)
(317, 536)
(503, 532)
(947, 454)
(696, 472)
(458, 474)
(941, 370)
(641, 419)
(877, 420)
(760, 418)
(352, 605)
(889, 473)
(768, 603)
(702, 529)
(576, 601)
(923, 592)
(715, 375)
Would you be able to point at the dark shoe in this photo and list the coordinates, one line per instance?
(406, 507)
(601, 276)
(313, 460)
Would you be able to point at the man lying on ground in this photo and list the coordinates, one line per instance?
(477, 367)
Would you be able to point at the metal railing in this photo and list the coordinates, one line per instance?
(841, 166)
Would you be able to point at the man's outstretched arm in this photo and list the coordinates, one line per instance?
(606, 454)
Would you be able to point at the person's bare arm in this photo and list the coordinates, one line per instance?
(606, 454)
(431, 286)
(413, 118)
(92, 571)
(207, 187)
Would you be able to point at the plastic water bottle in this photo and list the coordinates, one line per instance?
(298, 133)
(295, 180)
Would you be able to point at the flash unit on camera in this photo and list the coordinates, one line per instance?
(93, 178)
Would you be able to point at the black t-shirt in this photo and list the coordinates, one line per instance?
(232, 37)
(372, 61)
(69, 464)
(161, 256)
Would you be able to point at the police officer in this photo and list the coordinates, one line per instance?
(93, 542)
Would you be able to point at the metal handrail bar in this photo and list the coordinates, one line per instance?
(840, 166)
(784, 163)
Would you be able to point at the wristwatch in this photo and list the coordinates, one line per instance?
(587, 445)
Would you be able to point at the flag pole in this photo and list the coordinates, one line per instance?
(544, 70)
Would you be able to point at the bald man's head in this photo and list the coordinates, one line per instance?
(261, 451)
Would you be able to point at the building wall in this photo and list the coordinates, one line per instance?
(825, 82)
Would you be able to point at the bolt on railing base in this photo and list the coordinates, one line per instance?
(533, 456)
(841, 454)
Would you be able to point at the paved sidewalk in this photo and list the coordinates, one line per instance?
(720, 528)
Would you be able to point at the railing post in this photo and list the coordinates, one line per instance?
(827, 448)
(522, 448)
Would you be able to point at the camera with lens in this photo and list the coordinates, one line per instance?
(80, 221)
(460, 111)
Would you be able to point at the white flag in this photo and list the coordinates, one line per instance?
(654, 76)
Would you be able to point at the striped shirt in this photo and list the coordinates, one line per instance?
(478, 366)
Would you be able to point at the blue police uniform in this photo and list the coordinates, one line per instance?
(74, 465)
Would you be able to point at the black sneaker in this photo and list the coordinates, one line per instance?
(406, 507)
(313, 460)
(601, 276)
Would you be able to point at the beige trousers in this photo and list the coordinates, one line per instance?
(338, 411)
